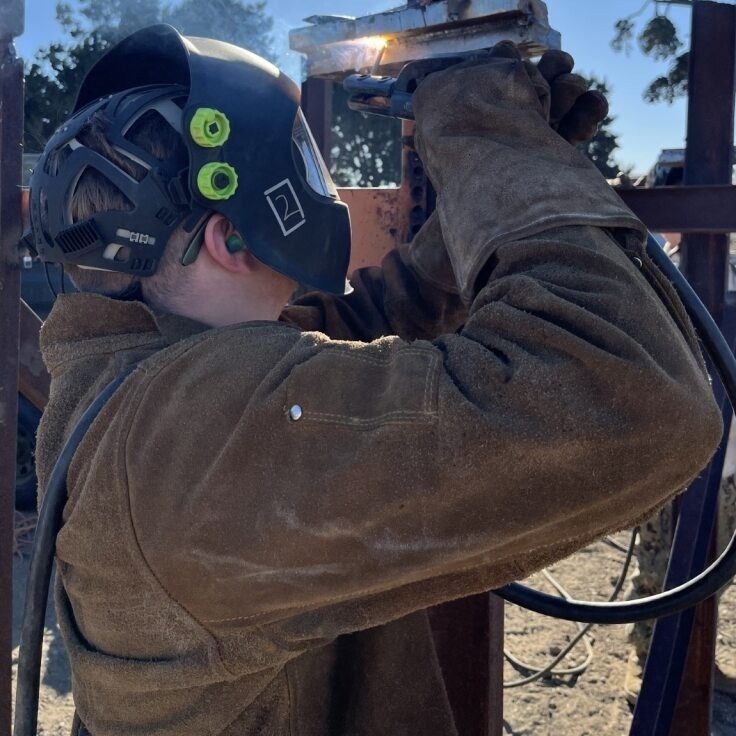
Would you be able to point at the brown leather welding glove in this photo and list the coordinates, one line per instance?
(501, 171)
(572, 109)
(575, 111)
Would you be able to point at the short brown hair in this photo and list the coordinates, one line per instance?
(94, 193)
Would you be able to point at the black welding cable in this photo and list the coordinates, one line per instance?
(39, 575)
(720, 572)
(550, 669)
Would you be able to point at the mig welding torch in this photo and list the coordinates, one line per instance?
(392, 97)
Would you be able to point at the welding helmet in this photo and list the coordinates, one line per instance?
(251, 157)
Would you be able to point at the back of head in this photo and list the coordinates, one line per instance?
(94, 194)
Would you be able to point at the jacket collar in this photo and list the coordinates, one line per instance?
(82, 325)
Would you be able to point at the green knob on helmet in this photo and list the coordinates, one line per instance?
(209, 128)
(217, 181)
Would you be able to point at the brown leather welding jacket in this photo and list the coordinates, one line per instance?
(232, 564)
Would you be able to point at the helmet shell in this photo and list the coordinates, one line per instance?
(285, 223)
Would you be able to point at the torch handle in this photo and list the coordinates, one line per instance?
(391, 97)
(376, 95)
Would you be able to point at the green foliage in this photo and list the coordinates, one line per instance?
(601, 148)
(245, 25)
(659, 39)
(56, 71)
(671, 86)
(366, 149)
(624, 32)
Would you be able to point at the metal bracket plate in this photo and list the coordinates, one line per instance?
(340, 45)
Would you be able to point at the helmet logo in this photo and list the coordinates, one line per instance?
(141, 238)
(286, 206)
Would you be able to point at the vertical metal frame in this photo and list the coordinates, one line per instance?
(11, 140)
(677, 690)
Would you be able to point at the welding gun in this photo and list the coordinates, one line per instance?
(392, 96)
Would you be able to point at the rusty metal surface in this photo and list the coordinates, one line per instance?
(33, 379)
(384, 217)
(468, 636)
(495, 665)
(686, 209)
(11, 135)
(377, 218)
(381, 219)
(336, 45)
(693, 715)
(419, 196)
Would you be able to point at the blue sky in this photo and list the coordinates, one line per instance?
(586, 27)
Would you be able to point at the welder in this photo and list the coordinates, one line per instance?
(262, 512)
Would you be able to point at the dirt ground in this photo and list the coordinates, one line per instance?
(589, 704)
(593, 703)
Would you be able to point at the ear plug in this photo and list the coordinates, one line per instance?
(234, 243)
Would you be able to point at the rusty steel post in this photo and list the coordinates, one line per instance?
(708, 160)
(677, 689)
(709, 152)
(11, 140)
(468, 635)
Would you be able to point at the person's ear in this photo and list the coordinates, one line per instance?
(226, 247)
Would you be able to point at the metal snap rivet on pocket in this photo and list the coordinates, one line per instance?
(638, 262)
(296, 413)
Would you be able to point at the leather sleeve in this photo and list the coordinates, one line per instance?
(568, 406)
(411, 294)
(308, 486)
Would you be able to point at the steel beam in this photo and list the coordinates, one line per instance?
(11, 140)
(685, 209)
(328, 29)
(676, 694)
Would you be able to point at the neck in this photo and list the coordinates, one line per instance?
(225, 303)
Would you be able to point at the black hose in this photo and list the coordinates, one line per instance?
(720, 572)
(39, 575)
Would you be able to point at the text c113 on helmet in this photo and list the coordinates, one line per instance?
(251, 157)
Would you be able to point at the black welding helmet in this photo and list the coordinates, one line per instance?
(251, 157)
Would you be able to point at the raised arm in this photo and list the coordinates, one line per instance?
(331, 486)
(414, 293)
